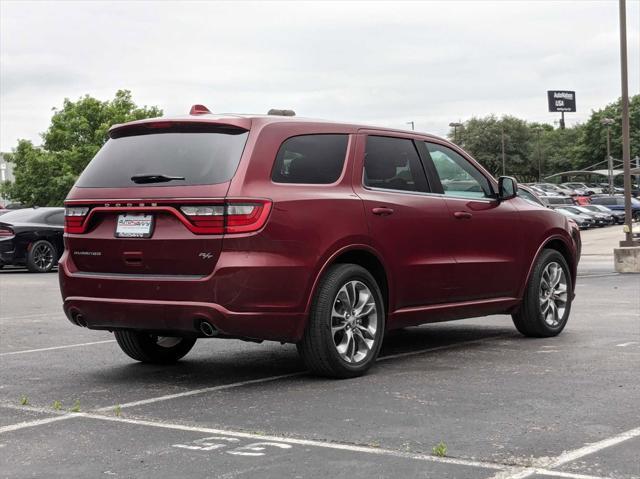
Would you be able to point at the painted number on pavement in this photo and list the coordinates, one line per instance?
(232, 445)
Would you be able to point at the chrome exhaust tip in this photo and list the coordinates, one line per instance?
(207, 329)
(80, 321)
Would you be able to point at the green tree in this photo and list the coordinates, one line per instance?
(594, 136)
(482, 137)
(44, 175)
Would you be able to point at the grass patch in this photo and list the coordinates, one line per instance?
(440, 449)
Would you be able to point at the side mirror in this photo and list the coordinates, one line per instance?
(507, 188)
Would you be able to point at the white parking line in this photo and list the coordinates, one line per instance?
(25, 351)
(36, 422)
(299, 442)
(192, 392)
(570, 475)
(505, 471)
(282, 376)
(570, 456)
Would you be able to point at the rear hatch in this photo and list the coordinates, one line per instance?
(152, 201)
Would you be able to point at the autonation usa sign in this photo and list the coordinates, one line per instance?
(561, 100)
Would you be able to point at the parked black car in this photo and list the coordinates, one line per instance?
(32, 237)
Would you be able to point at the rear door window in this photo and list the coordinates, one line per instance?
(200, 153)
(310, 159)
(393, 164)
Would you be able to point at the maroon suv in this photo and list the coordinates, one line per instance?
(317, 233)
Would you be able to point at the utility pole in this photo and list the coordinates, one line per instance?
(626, 147)
(504, 158)
(608, 122)
(412, 124)
(538, 131)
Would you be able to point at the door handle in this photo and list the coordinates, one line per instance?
(462, 215)
(381, 211)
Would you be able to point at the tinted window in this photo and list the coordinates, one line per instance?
(28, 215)
(393, 164)
(457, 175)
(604, 201)
(310, 159)
(202, 156)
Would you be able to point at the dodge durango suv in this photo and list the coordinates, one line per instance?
(322, 234)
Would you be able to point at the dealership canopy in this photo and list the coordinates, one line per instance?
(634, 171)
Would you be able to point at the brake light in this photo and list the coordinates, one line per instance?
(209, 218)
(236, 216)
(74, 217)
(6, 232)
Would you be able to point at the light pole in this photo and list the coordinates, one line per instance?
(538, 131)
(608, 122)
(626, 146)
(455, 125)
(504, 158)
(412, 125)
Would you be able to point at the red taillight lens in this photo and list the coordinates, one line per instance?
(6, 232)
(74, 219)
(209, 219)
(236, 216)
(247, 217)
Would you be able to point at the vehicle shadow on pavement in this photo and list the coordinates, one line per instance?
(223, 361)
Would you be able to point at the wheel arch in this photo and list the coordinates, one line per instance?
(563, 246)
(362, 255)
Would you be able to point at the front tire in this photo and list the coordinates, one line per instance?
(151, 348)
(42, 257)
(547, 300)
(346, 324)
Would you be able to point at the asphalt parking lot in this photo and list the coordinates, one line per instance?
(505, 406)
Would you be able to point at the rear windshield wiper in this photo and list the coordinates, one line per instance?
(154, 178)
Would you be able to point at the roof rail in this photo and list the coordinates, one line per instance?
(276, 112)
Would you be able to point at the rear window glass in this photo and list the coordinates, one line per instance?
(310, 159)
(393, 164)
(33, 215)
(203, 156)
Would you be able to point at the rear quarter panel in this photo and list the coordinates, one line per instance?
(276, 269)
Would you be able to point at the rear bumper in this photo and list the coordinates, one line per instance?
(180, 317)
(232, 300)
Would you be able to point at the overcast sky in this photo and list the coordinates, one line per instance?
(371, 62)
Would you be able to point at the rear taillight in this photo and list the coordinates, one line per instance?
(235, 216)
(6, 232)
(74, 217)
(209, 219)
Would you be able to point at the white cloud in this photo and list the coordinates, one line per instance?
(381, 62)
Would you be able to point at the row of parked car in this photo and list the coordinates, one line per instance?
(580, 189)
(588, 211)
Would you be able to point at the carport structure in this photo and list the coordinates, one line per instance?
(590, 174)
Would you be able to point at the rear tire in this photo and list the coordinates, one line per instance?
(42, 257)
(546, 305)
(150, 348)
(346, 323)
